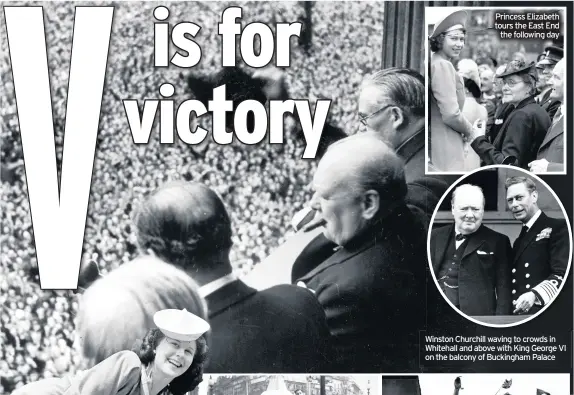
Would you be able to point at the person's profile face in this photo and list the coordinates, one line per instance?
(468, 210)
(487, 80)
(453, 43)
(375, 109)
(340, 207)
(173, 357)
(557, 82)
(544, 75)
(521, 202)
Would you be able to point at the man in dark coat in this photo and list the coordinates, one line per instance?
(470, 261)
(541, 251)
(551, 154)
(392, 107)
(520, 136)
(280, 330)
(372, 286)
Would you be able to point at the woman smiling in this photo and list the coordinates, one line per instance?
(168, 361)
(522, 132)
(448, 125)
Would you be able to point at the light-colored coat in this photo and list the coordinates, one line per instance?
(119, 374)
(446, 120)
(552, 147)
(472, 111)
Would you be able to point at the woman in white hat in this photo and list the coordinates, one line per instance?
(168, 361)
(472, 110)
(448, 125)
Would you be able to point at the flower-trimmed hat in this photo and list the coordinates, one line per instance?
(455, 20)
(518, 67)
(180, 324)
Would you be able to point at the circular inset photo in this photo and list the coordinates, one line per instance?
(499, 246)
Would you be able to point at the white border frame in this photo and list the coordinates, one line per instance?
(457, 183)
(426, 63)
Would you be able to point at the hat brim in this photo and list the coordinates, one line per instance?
(456, 18)
(180, 324)
(523, 70)
(547, 62)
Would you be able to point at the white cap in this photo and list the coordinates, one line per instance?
(180, 324)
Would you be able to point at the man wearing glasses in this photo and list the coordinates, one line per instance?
(392, 109)
(470, 261)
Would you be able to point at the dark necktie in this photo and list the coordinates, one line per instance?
(460, 237)
(521, 235)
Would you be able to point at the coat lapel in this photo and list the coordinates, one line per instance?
(474, 242)
(228, 295)
(530, 235)
(555, 130)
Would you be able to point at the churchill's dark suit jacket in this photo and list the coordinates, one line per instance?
(541, 260)
(484, 272)
(373, 293)
(520, 136)
(279, 330)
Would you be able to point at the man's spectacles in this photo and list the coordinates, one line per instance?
(365, 118)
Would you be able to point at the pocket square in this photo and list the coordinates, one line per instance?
(480, 252)
(544, 234)
(499, 121)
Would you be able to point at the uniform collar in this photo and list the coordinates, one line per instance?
(532, 220)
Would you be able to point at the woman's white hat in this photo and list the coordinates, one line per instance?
(457, 18)
(180, 324)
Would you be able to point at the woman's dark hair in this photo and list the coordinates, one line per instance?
(472, 87)
(436, 42)
(190, 379)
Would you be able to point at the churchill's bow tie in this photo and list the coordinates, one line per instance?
(460, 237)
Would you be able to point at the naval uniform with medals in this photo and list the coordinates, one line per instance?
(540, 259)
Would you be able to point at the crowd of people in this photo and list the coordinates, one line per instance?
(262, 186)
(489, 105)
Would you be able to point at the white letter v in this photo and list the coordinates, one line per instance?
(58, 219)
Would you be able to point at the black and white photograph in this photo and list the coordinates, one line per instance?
(291, 385)
(496, 88)
(197, 190)
(500, 246)
(477, 384)
(191, 227)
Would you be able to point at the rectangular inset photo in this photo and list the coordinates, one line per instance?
(496, 88)
(297, 384)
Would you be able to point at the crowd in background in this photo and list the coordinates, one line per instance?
(261, 185)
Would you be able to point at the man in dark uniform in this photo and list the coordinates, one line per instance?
(540, 252)
(470, 261)
(545, 68)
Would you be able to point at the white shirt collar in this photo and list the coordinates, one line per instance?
(213, 286)
(533, 219)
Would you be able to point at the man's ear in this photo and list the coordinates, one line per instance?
(398, 117)
(371, 204)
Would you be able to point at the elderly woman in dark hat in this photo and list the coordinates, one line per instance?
(448, 125)
(523, 130)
